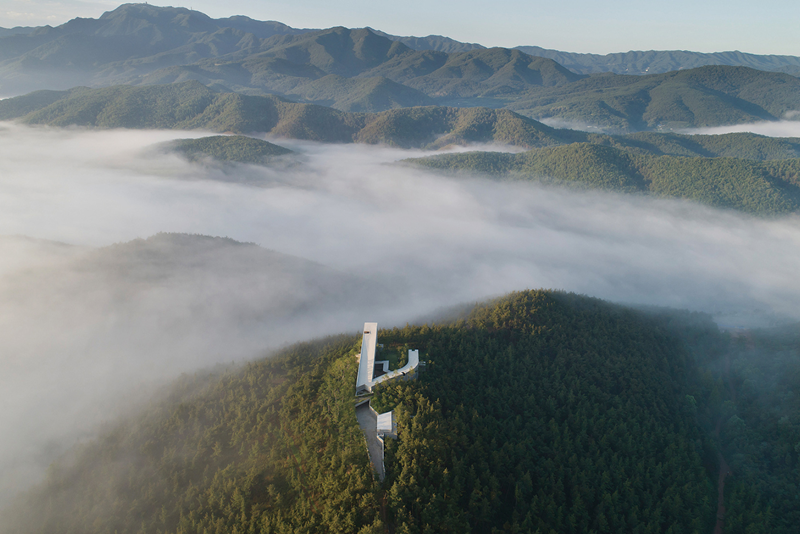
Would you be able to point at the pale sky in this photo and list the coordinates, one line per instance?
(765, 27)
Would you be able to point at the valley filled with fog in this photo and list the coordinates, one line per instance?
(320, 241)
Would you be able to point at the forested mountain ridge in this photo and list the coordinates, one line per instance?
(757, 187)
(438, 43)
(136, 39)
(300, 66)
(632, 62)
(705, 96)
(539, 410)
(190, 105)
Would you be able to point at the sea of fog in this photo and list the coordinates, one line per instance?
(432, 241)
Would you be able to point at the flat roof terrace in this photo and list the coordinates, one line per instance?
(366, 378)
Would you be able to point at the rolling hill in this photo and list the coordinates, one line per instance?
(226, 149)
(190, 268)
(260, 75)
(477, 73)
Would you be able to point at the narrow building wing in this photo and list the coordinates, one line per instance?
(366, 361)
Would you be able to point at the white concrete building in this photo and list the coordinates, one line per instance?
(377, 427)
(366, 378)
(386, 427)
(366, 361)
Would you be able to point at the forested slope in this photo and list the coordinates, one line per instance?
(705, 96)
(538, 411)
(757, 379)
(740, 145)
(758, 187)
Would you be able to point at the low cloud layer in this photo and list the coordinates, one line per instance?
(782, 128)
(88, 333)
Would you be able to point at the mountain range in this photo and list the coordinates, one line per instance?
(191, 105)
(369, 71)
(152, 19)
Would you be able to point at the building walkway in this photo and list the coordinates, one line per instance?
(368, 421)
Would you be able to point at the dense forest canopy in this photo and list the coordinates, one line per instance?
(537, 412)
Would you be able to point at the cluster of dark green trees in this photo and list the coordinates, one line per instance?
(540, 412)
